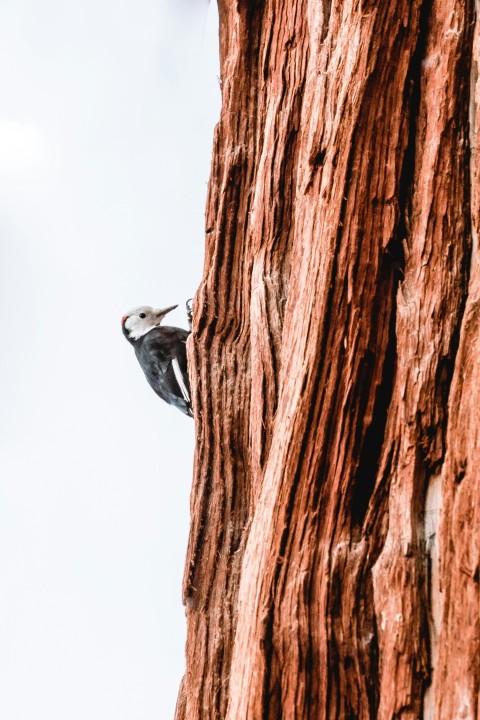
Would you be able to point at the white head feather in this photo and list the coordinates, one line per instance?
(141, 320)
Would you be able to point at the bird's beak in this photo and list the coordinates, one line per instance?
(162, 313)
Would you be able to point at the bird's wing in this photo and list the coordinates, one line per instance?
(180, 380)
(163, 357)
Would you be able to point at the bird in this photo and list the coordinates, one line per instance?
(162, 354)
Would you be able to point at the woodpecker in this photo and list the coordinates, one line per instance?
(161, 353)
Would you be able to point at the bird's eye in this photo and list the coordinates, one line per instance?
(142, 315)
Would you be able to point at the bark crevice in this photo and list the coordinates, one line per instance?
(373, 443)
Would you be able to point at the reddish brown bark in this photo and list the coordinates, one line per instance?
(333, 563)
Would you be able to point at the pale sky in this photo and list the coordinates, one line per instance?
(106, 118)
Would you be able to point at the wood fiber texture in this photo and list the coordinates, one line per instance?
(333, 563)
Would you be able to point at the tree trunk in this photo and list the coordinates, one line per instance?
(333, 562)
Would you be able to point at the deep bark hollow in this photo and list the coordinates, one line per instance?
(333, 563)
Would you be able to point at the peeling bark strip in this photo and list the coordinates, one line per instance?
(333, 563)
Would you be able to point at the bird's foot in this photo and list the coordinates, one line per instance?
(189, 306)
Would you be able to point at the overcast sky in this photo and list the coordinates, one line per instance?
(106, 119)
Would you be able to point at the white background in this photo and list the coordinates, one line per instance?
(106, 119)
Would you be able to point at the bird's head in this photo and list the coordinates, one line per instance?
(138, 322)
